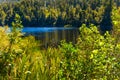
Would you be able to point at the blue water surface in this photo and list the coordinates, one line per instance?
(44, 29)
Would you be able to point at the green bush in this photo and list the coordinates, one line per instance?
(14, 51)
(93, 57)
(98, 57)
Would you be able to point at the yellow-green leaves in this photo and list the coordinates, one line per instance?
(95, 56)
(17, 23)
(95, 51)
(4, 40)
(2, 16)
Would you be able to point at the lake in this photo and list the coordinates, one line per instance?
(52, 35)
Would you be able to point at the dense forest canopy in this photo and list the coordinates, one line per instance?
(58, 13)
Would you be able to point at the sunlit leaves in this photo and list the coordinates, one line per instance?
(4, 39)
(97, 53)
(2, 17)
(95, 56)
(44, 13)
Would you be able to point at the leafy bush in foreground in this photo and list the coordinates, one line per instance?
(13, 49)
(99, 59)
(93, 57)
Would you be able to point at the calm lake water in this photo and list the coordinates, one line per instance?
(52, 35)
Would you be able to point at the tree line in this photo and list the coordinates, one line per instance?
(57, 13)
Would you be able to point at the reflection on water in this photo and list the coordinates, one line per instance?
(52, 35)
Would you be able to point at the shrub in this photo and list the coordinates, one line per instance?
(98, 58)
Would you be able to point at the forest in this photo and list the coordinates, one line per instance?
(95, 56)
(58, 13)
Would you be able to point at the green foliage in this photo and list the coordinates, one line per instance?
(98, 57)
(55, 13)
(12, 49)
(69, 65)
(116, 28)
(94, 57)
